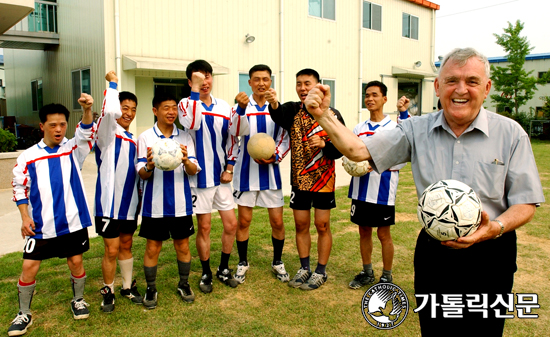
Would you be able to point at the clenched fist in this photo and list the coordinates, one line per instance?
(242, 99)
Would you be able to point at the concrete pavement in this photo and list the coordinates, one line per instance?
(10, 219)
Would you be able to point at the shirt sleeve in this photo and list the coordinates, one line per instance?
(282, 147)
(330, 151)
(191, 154)
(21, 181)
(84, 141)
(239, 122)
(232, 149)
(284, 114)
(141, 153)
(106, 123)
(190, 112)
(388, 148)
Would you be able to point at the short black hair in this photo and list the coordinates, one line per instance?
(259, 67)
(198, 65)
(308, 71)
(382, 86)
(124, 95)
(162, 97)
(50, 109)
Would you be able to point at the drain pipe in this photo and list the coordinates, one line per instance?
(118, 58)
(282, 51)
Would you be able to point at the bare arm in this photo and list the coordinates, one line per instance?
(27, 225)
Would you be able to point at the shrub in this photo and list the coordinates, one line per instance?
(7, 141)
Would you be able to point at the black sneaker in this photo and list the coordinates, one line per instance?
(300, 278)
(362, 279)
(386, 279)
(108, 303)
(314, 282)
(205, 284)
(186, 293)
(132, 293)
(226, 277)
(80, 309)
(150, 300)
(20, 324)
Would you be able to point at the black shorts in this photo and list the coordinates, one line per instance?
(304, 200)
(371, 215)
(111, 228)
(63, 246)
(161, 229)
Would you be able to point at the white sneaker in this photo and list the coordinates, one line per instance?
(242, 268)
(279, 270)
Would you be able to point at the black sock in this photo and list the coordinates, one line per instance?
(183, 269)
(206, 267)
(224, 262)
(151, 277)
(277, 249)
(304, 261)
(321, 268)
(242, 247)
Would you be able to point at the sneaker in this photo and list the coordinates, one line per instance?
(300, 278)
(206, 283)
(132, 293)
(315, 281)
(278, 268)
(108, 303)
(80, 309)
(20, 324)
(362, 279)
(150, 300)
(386, 279)
(226, 277)
(242, 268)
(186, 293)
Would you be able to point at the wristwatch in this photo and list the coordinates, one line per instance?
(146, 169)
(229, 171)
(501, 229)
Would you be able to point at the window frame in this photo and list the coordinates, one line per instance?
(371, 17)
(332, 90)
(76, 95)
(410, 30)
(37, 101)
(322, 11)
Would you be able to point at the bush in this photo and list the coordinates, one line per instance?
(522, 118)
(7, 141)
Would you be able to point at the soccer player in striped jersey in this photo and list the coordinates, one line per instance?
(116, 195)
(48, 190)
(216, 153)
(258, 182)
(167, 207)
(373, 195)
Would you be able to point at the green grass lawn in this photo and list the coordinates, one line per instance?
(263, 305)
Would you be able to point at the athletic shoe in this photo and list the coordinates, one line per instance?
(300, 278)
(226, 277)
(242, 268)
(278, 268)
(186, 293)
(386, 279)
(108, 303)
(150, 300)
(20, 324)
(80, 309)
(362, 279)
(132, 293)
(206, 283)
(315, 281)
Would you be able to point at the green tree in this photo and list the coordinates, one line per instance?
(546, 108)
(514, 84)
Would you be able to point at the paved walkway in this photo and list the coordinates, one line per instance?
(10, 219)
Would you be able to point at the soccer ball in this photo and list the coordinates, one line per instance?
(449, 209)
(261, 146)
(356, 169)
(167, 154)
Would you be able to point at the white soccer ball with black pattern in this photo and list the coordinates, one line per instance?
(261, 146)
(449, 209)
(356, 169)
(167, 154)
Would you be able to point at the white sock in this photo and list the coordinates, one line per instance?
(126, 269)
(112, 286)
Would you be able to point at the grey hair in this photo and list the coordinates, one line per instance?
(462, 55)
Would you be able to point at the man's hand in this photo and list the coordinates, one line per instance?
(316, 141)
(318, 100)
(271, 98)
(111, 76)
(403, 104)
(197, 79)
(184, 159)
(150, 164)
(266, 161)
(27, 227)
(86, 101)
(242, 99)
(487, 230)
(226, 176)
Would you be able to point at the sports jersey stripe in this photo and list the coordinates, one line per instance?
(169, 206)
(258, 113)
(52, 156)
(201, 176)
(188, 196)
(79, 197)
(148, 195)
(213, 114)
(245, 167)
(56, 183)
(216, 164)
(129, 187)
(36, 201)
(98, 207)
(363, 186)
(384, 189)
(263, 170)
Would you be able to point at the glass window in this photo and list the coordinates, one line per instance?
(81, 82)
(372, 16)
(363, 87)
(410, 26)
(37, 97)
(332, 85)
(323, 9)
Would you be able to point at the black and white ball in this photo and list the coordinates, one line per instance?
(356, 169)
(449, 209)
(167, 154)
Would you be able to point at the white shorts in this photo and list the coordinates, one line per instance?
(265, 198)
(207, 199)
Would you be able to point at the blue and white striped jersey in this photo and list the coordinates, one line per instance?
(249, 175)
(166, 193)
(49, 180)
(215, 147)
(373, 187)
(116, 194)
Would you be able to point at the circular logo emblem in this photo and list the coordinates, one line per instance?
(385, 306)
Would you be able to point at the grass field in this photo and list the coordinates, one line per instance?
(263, 305)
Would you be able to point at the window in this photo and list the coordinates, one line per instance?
(243, 84)
(410, 26)
(363, 87)
(332, 85)
(542, 74)
(37, 97)
(372, 16)
(323, 9)
(81, 82)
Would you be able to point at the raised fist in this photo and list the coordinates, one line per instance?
(111, 76)
(271, 96)
(242, 99)
(197, 79)
(86, 101)
(318, 100)
(403, 104)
